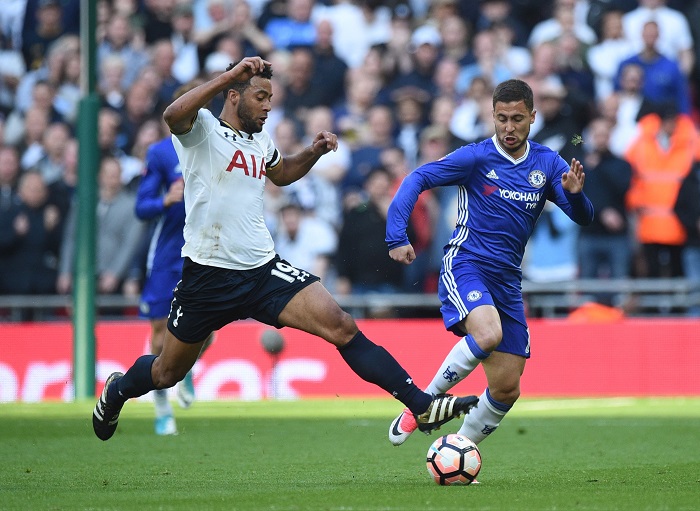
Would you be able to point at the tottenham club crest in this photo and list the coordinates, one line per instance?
(536, 178)
(473, 296)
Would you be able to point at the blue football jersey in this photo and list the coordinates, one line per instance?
(500, 199)
(162, 169)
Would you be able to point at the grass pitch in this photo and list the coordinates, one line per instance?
(628, 454)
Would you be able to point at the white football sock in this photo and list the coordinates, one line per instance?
(460, 361)
(484, 418)
(160, 400)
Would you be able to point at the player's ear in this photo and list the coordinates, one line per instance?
(532, 116)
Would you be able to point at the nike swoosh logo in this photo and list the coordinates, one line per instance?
(395, 429)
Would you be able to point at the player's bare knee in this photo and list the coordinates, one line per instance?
(343, 330)
(506, 394)
(488, 338)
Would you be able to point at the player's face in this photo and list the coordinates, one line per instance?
(512, 122)
(254, 105)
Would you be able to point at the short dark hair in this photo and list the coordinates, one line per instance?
(513, 90)
(241, 86)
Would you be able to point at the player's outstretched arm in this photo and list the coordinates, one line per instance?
(572, 181)
(180, 114)
(296, 166)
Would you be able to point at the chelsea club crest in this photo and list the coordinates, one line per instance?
(536, 178)
(473, 296)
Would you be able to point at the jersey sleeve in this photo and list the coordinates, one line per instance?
(576, 205)
(453, 169)
(149, 198)
(203, 124)
(272, 155)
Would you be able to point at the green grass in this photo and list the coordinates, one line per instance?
(334, 455)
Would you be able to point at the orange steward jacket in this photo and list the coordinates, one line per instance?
(657, 177)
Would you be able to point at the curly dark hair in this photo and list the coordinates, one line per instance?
(242, 86)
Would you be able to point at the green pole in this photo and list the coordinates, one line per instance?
(84, 273)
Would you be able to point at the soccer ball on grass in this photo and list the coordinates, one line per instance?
(453, 459)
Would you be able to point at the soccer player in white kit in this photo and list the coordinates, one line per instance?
(231, 270)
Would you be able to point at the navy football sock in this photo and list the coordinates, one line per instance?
(137, 381)
(374, 364)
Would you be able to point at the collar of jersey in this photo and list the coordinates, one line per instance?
(508, 156)
(237, 132)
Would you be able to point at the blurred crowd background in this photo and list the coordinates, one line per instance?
(616, 85)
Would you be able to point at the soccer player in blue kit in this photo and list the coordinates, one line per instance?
(161, 196)
(231, 270)
(503, 185)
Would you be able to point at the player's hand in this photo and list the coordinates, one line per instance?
(573, 180)
(247, 68)
(176, 193)
(324, 142)
(404, 255)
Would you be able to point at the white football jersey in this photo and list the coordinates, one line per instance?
(224, 173)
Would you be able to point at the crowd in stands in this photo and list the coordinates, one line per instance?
(402, 82)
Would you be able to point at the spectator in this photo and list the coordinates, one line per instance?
(563, 21)
(11, 72)
(487, 63)
(139, 106)
(158, 15)
(62, 191)
(410, 119)
(295, 28)
(52, 70)
(186, 65)
(675, 39)
(111, 90)
(328, 172)
(54, 141)
(107, 132)
(663, 79)
(445, 78)
(351, 117)
(302, 92)
(517, 59)
(556, 126)
(36, 120)
(119, 40)
(604, 247)
(329, 70)
(455, 36)
(118, 233)
(472, 120)
(494, 13)
(377, 136)
(551, 254)
(9, 175)
(162, 61)
(36, 38)
(416, 277)
(661, 157)
(425, 43)
(305, 240)
(362, 240)
(233, 20)
(357, 26)
(630, 106)
(604, 58)
(687, 208)
(30, 237)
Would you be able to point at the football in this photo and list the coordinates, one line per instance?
(453, 460)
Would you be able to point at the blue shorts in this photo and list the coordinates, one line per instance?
(208, 298)
(463, 286)
(158, 293)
